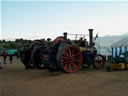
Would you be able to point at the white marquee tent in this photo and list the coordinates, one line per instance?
(121, 43)
(120, 47)
(104, 44)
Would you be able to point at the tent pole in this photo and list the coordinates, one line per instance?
(115, 52)
(120, 52)
(125, 48)
(99, 45)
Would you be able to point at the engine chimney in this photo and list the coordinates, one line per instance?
(91, 37)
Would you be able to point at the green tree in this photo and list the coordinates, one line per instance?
(5, 46)
(48, 39)
(12, 45)
(3, 41)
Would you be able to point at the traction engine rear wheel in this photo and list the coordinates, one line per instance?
(99, 61)
(69, 58)
(25, 59)
(35, 56)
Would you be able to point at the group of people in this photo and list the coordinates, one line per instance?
(5, 54)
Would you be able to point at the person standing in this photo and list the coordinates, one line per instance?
(0, 64)
(10, 58)
(17, 55)
(5, 56)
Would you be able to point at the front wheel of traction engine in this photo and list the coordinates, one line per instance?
(69, 58)
(99, 61)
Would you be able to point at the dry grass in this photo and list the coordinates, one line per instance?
(16, 81)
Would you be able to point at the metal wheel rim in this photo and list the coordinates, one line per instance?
(71, 59)
(99, 61)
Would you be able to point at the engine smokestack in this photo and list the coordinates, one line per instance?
(91, 36)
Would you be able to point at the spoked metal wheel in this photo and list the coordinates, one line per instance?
(99, 61)
(69, 58)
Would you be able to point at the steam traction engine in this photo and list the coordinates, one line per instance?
(62, 54)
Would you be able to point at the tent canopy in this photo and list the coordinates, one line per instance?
(104, 44)
(121, 43)
(107, 41)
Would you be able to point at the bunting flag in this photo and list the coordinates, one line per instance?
(96, 36)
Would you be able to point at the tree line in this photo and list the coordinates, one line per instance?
(18, 43)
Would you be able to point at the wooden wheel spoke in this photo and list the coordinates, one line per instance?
(64, 61)
(73, 50)
(76, 60)
(65, 66)
(69, 52)
(65, 58)
(65, 53)
(77, 54)
(98, 61)
(75, 57)
(74, 65)
(70, 66)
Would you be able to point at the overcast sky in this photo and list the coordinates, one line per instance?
(42, 19)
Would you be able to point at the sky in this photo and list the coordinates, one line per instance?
(48, 19)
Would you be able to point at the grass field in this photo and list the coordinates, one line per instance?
(17, 81)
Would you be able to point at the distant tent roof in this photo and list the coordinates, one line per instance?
(120, 43)
(104, 44)
(107, 41)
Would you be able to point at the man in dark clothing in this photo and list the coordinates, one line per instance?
(5, 56)
(81, 42)
(0, 64)
(17, 55)
(10, 58)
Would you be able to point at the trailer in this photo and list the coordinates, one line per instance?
(62, 54)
